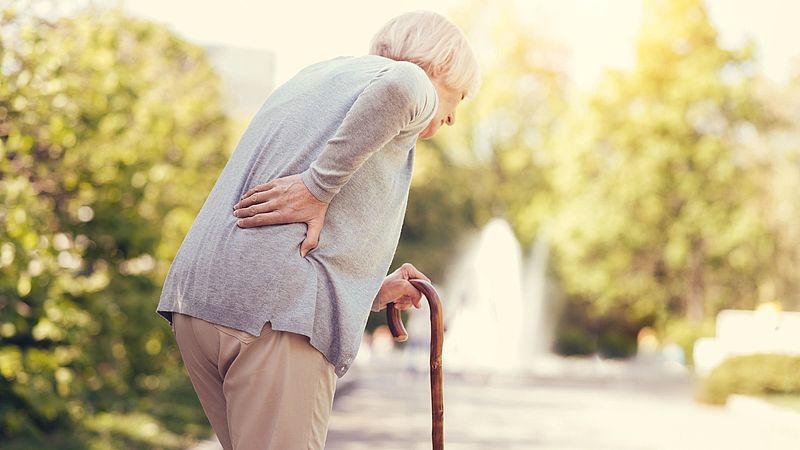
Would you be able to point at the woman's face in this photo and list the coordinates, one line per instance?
(446, 112)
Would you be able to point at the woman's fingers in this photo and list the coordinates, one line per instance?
(413, 272)
(412, 295)
(259, 188)
(280, 201)
(402, 303)
(422, 276)
(254, 209)
(250, 196)
(267, 218)
(254, 198)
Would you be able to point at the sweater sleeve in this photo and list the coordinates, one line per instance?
(400, 97)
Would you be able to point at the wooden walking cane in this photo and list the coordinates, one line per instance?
(437, 337)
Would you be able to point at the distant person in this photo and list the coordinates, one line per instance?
(269, 293)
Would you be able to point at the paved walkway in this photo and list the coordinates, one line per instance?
(390, 409)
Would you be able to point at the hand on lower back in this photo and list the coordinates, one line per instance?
(283, 200)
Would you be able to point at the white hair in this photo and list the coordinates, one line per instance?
(434, 43)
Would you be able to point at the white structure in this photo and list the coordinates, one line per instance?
(744, 332)
(492, 306)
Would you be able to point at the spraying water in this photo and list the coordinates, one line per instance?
(493, 305)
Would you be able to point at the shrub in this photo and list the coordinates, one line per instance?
(573, 341)
(616, 344)
(757, 374)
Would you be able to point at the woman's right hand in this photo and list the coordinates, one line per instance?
(283, 200)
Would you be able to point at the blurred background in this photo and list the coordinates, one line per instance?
(613, 223)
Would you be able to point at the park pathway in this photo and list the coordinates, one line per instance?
(389, 408)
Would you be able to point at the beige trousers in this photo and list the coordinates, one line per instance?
(273, 391)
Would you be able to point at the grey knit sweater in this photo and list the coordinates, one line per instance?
(349, 126)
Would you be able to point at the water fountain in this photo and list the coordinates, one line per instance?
(493, 305)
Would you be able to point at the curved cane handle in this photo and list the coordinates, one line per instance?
(393, 314)
(396, 323)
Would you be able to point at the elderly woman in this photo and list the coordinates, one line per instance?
(270, 291)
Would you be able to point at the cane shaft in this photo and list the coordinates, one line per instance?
(437, 339)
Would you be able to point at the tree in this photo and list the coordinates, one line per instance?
(779, 154)
(109, 127)
(658, 196)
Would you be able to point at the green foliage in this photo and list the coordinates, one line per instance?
(171, 418)
(662, 192)
(109, 128)
(438, 213)
(504, 134)
(779, 208)
(758, 374)
(581, 332)
(614, 343)
(658, 197)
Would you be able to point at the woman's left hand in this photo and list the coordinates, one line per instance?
(398, 290)
(283, 200)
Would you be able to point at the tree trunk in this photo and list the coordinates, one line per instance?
(695, 310)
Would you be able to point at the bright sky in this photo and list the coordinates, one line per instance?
(598, 33)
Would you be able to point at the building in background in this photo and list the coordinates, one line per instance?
(248, 77)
